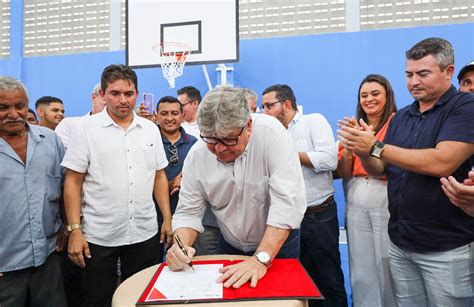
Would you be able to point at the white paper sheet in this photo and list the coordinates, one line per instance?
(189, 284)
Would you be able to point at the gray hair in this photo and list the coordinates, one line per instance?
(222, 110)
(249, 94)
(10, 84)
(96, 89)
(439, 48)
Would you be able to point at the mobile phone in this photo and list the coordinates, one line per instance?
(148, 102)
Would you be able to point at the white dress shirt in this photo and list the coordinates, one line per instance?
(192, 129)
(264, 186)
(65, 128)
(313, 135)
(120, 167)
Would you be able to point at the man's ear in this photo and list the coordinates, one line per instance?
(450, 71)
(249, 125)
(40, 111)
(287, 105)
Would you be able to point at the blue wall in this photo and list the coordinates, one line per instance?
(324, 70)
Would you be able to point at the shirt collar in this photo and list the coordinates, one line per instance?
(36, 134)
(183, 139)
(415, 106)
(106, 120)
(295, 120)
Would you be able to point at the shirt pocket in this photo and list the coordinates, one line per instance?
(258, 192)
(149, 157)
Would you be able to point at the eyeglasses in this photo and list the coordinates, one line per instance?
(188, 102)
(174, 155)
(268, 106)
(225, 141)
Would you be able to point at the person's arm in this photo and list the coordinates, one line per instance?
(321, 155)
(251, 269)
(461, 195)
(174, 184)
(304, 159)
(62, 236)
(175, 258)
(160, 190)
(78, 246)
(345, 165)
(440, 161)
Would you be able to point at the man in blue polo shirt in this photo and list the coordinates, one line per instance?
(176, 143)
(431, 250)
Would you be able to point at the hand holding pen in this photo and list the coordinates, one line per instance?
(178, 256)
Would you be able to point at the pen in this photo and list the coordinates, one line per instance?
(181, 246)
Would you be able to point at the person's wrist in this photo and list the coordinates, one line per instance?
(75, 233)
(73, 227)
(258, 263)
(263, 258)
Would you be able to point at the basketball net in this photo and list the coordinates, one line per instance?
(173, 57)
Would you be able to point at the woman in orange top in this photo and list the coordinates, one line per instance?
(367, 203)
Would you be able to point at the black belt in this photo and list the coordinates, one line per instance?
(322, 207)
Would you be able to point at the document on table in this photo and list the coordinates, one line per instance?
(188, 284)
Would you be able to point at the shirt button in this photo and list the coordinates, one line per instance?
(129, 167)
(128, 150)
(131, 183)
(131, 201)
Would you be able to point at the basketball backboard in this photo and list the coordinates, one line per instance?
(209, 27)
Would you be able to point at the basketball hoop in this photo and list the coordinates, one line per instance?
(173, 57)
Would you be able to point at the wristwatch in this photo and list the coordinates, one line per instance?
(377, 149)
(264, 258)
(71, 227)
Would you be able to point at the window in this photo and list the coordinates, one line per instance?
(66, 27)
(4, 29)
(269, 18)
(378, 14)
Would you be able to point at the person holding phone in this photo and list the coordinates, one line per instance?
(145, 109)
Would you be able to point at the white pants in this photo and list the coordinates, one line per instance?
(367, 237)
(433, 279)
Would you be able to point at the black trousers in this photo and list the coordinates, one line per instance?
(72, 275)
(99, 277)
(34, 286)
(319, 254)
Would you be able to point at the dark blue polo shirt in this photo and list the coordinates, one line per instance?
(183, 145)
(422, 219)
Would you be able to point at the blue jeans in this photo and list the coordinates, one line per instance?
(433, 279)
(290, 248)
(320, 255)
